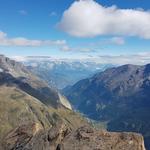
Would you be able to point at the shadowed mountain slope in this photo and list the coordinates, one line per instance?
(118, 96)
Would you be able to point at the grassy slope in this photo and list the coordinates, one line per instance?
(17, 107)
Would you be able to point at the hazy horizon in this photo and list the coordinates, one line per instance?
(76, 29)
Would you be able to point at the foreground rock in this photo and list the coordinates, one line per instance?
(61, 137)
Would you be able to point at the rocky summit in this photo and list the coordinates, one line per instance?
(61, 137)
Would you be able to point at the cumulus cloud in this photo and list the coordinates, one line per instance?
(24, 42)
(137, 59)
(67, 48)
(87, 18)
(21, 41)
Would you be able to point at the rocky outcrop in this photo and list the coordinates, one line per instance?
(18, 108)
(65, 102)
(86, 138)
(61, 137)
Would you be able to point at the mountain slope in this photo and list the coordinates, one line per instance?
(28, 121)
(19, 75)
(18, 108)
(118, 96)
(22, 101)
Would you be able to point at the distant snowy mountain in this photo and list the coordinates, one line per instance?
(62, 72)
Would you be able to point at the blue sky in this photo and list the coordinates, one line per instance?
(42, 29)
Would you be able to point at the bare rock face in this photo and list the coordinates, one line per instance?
(86, 138)
(61, 137)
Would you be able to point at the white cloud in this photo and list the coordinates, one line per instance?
(19, 58)
(2, 35)
(67, 48)
(87, 18)
(24, 42)
(21, 41)
(137, 59)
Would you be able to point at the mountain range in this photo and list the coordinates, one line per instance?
(118, 97)
(35, 116)
(61, 73)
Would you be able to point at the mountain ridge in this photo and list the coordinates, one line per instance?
(60, 137)
(34, 118)
(62, 72)
(118, 96)
(29, 82)
(23, 101)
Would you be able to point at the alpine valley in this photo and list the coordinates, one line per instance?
(74, 74)
(61, 73)
(35, 116)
